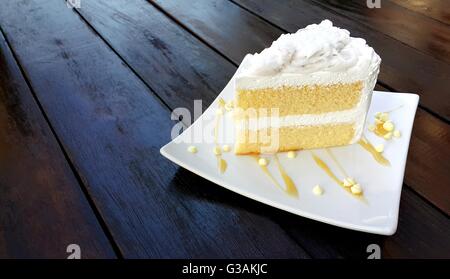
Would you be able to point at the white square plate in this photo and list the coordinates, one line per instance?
(382, 185)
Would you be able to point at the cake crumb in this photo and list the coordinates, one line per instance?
(192, 149)
(229, 105)
(348, 182)
(388, 126)
(217, 150)
(226, 148)
(317, 190)
(388, 136)
(379, 148)
(263, 162)
(291, 154)
(397, 134)
(384, 116)
(356, 189)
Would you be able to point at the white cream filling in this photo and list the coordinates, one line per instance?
(353, 116)
(346, 116)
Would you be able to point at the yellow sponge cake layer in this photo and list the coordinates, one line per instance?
(308, 99)
(292, 138)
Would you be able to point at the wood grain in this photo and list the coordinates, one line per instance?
(428, 160)
(188, 15)
(319, 239)
(403, 68)
(231, 30)
(418, 31)
(43, 209)
(436, 9)
(112, 127)
(159, 65)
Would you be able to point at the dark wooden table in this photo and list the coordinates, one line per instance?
(85, 102)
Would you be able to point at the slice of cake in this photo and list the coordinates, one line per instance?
(310, 89)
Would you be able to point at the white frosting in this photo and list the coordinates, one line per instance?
(318, 54)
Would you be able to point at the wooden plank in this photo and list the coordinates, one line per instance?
(179, 91)
(418, 31)
(219, 11)
(403, 68)
(437, 9)
(428, 160)
(43, 209)
(112, 127)
(231, 30)
(317, 237)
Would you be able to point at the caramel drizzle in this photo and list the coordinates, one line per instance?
(290, 185)
(371, 149)
(221, 163)
(291, 189)
(327, 170)
(379, 130)
(394, 109)
(330, 173)
(267, 172)
(331, 154)
(221, 105)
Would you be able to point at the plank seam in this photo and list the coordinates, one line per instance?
(78, 178)
(190, 31)
(442, 211)
(419, 13)
(121, 58)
